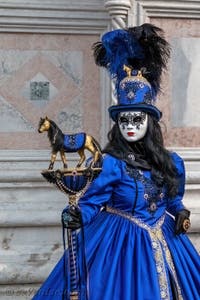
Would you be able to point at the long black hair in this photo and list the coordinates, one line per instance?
(151, 149)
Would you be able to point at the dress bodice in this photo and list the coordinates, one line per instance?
(139, 195)
(131, 190)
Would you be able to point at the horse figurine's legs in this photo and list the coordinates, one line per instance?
(92, 146)
(97, 156)
(82, 157)
(63, 157)
(53, 158)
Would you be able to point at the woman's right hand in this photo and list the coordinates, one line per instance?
(71, 217)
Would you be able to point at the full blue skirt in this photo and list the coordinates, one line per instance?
(121, 264)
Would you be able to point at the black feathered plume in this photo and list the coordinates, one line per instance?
(141, 47)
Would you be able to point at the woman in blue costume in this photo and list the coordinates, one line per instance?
(132, 214)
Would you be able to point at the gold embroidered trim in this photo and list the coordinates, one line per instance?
(160, 249)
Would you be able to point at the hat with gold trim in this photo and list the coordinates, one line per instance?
(135, 58)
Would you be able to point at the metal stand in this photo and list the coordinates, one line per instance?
(56, 177)
(71, 235)
(72, 246)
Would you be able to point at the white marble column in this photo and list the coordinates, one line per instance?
(118, 11)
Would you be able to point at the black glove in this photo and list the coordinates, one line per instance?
(71, 217)
(182, 221)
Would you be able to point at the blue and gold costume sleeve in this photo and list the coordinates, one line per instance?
(100, 191)
(175, 205)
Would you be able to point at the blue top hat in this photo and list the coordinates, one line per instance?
(134, 93)
(135, 57)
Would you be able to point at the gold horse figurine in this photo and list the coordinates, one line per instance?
(68, 143)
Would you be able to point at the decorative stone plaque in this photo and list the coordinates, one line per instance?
(39, 90)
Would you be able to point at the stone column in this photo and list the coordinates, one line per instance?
(118, 11)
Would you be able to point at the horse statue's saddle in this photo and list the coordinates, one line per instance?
(74, 142)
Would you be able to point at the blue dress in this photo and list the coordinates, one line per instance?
(131, 250)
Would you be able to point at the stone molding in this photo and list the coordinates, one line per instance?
(23, 189)
(65, 16)
(145, 9)
(50, 16)
(118, 11)
(20, 173)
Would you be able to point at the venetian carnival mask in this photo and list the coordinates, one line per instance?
(133, 125)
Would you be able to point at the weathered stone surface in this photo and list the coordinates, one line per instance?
(31, 234)
(18, 292)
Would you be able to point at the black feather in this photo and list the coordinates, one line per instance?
(99, 52)
(141, 47)
(156, 52)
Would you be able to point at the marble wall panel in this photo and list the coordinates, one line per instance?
(52, 75)
(185, 108)
(178, 99)
(185, 85)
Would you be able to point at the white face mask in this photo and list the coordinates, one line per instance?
(133, 125)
